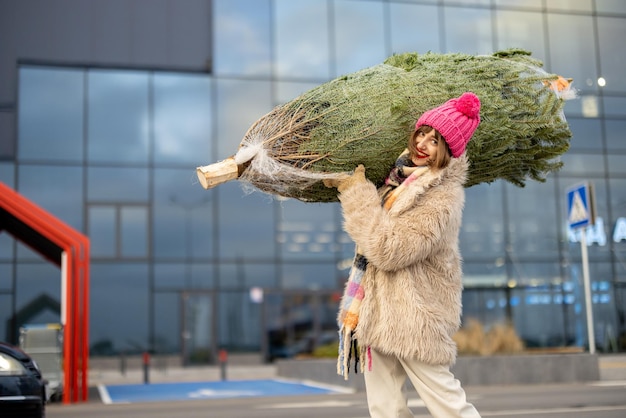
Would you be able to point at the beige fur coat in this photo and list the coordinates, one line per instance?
(413, 283)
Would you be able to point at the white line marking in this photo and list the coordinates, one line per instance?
(551, 411)
(300, 405)
(104, 394)
(609, 383)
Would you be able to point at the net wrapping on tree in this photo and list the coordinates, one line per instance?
(367, 117)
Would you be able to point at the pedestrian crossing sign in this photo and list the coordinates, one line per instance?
(580, 206)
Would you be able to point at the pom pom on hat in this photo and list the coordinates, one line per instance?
(456, 120)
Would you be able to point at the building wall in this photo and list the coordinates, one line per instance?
(106, 108)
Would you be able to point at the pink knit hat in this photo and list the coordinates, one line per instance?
(456, 120)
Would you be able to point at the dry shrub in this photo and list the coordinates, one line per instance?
(499, 339)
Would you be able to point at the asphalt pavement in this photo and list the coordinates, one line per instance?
(254, 390)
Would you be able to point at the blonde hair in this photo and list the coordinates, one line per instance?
(444, 154)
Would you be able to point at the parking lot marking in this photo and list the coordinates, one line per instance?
(158, 392)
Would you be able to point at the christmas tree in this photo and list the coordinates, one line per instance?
(366, 118)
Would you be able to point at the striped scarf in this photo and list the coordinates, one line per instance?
(403, 174)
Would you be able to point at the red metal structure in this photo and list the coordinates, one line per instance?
(69, 250)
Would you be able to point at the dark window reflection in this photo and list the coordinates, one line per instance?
(57, 189)
(119, 307)
(482, 231)
(103, 231)
(246, 227)
(51, 128)
(134, 231)
(183, 215)
(310, 276)
(532, 232)
(115, 184)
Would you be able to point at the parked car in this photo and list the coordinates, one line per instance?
(22, 388)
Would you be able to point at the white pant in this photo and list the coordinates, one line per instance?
(441, 392)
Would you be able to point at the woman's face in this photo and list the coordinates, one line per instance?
(427, 145)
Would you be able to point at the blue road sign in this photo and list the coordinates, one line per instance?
(159, 392)
(579, 206)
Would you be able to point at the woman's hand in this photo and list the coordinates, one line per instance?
(345, 183)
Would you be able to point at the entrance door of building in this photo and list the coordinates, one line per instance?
(197, 327)
(297, 322)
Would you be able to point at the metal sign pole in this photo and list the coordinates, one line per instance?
(588, 304)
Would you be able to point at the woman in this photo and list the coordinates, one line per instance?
(402, 302)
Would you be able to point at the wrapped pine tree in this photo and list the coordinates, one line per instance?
(366, 118)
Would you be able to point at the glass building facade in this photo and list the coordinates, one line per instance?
(179, 269)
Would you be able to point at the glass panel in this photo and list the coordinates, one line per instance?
(407, 35)
(290, 326)
(134, 231)
(604, 304)
(6, 276)
(611, 6)
(245, 275)
(578, 5)
(7, 130)
(102, 231)
(57, 189)
(239, 104)
(49, 128)
(117, 184)
(7, 174)
(617, 225)
(490, 274)
(468, 30)
(611, 35)
(246, 224)
(615, 135)
(182, 119)
(241, 44)
(532, 233)
(530, 4)
(310, 276)
(301, 38)
(118, 116)
(171, 276)
(487, 306)
(202, 276)
(582, 164)
(306, 230)
(183, 215)
(615, 106)
(531, 305)
(586, 135)
(482, 231)
(616, 164)
(38, 289)
(571, 49)
(198, 329)
(521, 30)
(239, 322)
(6, 306)
(167, 323)
(119, 324)
(360, 35)
(471, 2)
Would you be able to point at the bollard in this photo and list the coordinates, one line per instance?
(223, 359)
(146, 367)
(123, 363)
